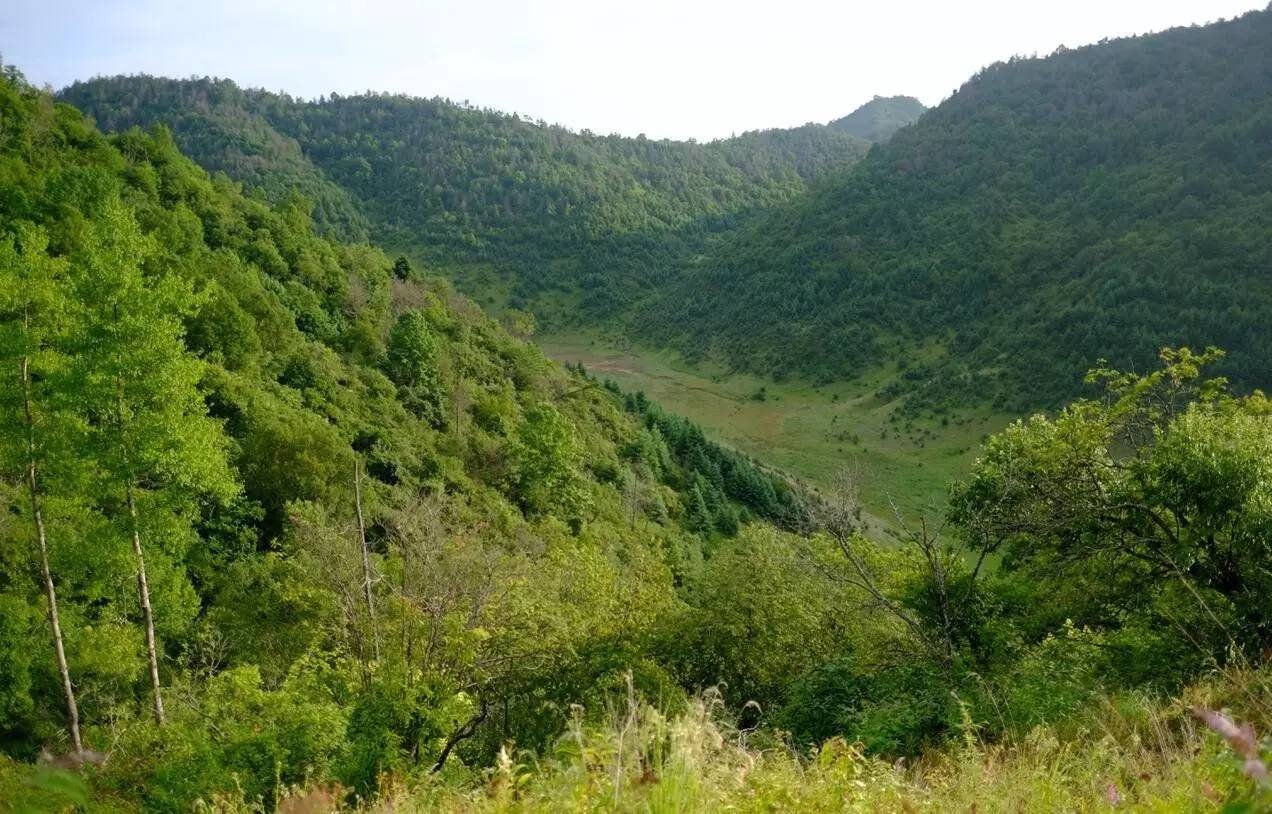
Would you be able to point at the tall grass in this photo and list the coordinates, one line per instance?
(1128, 752)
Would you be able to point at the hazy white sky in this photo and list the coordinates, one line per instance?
(667, 68)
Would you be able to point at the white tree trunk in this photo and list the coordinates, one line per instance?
(50, 592)
(366, 559)
(143, 588)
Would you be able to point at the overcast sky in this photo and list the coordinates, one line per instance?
(667, 68)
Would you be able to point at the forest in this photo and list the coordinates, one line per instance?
(602, 217)
(1097, 203)
(289, 523)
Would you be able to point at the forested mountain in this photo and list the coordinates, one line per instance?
(1099, 202)
(879, 118)
(554, 209)
(212, 122)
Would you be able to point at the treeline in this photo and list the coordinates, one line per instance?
(723, 488)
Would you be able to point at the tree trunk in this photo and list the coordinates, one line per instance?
(465, 731)
(143, 588)
(366, 559)
(50, 593)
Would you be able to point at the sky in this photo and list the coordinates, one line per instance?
(667, 68)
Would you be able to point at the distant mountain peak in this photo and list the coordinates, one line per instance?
(878, 119)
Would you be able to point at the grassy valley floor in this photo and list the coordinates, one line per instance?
(810, 432)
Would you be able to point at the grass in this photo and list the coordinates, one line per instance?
(1126, 753)
(810, 432)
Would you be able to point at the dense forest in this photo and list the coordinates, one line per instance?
(287, 523)
(252, 466)
(1098, 202)
(606, 217)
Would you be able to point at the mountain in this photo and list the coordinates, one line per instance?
(878, 119)
(553, 209)
(1101, 202)
(286, 524)
(211, 120)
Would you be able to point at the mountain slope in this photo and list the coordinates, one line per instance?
(211, 120)
(879, 118)
(346, 407)
(1100, 202)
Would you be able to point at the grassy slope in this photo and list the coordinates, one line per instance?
(805, 430)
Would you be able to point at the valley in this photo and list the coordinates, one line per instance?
(810, 432)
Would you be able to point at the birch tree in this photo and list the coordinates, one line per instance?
(152, 441)
(29, 312)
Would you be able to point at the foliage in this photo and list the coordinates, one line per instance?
(217, 364)
(391, 546)
(602, 216)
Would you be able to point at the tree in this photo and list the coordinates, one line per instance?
(149, 431)
(1163, 481)
(545, 457)
(31, 307)
(839, 516)
(402, 268)
(412, 363)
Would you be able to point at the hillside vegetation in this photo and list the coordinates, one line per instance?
(1099, 202)
(348, 491)
(288, 524)
(1096, 203)
(605, 218)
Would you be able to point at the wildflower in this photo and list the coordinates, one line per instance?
(1112, 795)
(1241, 739)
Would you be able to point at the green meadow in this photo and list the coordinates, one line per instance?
(810, 432)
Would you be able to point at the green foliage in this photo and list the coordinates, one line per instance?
(384, 532)
(899, 709)
(545, 461)
(601, 216)
(1163, 481)
(760, 614)
(237, 736)
(412, 364)
(226, 365)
